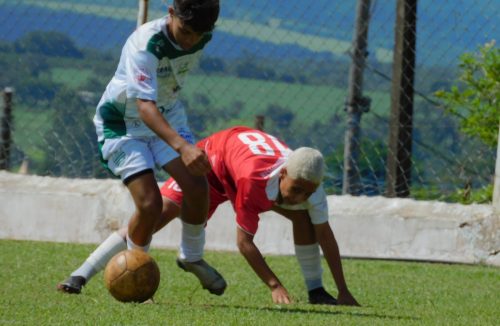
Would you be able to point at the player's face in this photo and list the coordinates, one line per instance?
(294, 191)
(181, 33)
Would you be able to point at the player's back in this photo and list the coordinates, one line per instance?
(247, 152)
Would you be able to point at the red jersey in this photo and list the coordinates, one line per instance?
(245, 170)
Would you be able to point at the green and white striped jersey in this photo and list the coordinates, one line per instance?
(151, 67)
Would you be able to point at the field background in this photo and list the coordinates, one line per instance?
(280, 59)
(290, 63)
(391, 293)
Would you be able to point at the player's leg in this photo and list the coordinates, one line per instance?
(194, 203)
(148, 204)
(208, 276)
(115, 243)
(194, 207)
(95, 262)
(308, 256)
(194, 212)
(132, 161)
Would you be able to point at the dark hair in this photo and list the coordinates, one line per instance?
(200, 15)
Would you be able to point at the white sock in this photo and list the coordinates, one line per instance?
(192, 242)
(132, 245)
(309, 259)
(99, 258)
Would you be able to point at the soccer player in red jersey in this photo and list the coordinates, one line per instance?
(256, 172)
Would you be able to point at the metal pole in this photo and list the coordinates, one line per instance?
(6, 129)
(401, 121)
(259, 122)
(356, 103)
(142, 15)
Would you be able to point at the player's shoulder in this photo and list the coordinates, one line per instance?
(152, 32)
(153, 26)
(232, 131)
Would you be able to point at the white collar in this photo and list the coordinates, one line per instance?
(273, 182)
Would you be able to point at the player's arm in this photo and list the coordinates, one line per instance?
(254, 257)
(193, 157)
(326, 240)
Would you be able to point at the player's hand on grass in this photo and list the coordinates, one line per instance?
(345, 298)
(280, 295)
(195, 159)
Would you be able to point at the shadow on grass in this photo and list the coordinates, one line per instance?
(296, 310)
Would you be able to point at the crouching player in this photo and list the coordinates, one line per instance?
(257, 173)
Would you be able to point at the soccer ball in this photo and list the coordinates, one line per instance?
(132, 276)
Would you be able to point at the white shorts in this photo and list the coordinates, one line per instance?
(127, 156)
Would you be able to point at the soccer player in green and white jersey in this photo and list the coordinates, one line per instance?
(140, 124)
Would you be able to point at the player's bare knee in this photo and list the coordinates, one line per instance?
(150, 209)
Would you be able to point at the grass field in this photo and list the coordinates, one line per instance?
(391, 293)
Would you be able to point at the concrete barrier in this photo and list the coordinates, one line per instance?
(86, 211)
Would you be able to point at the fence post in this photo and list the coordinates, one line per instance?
(6, 126)
(401, 121)
(259, 122)
(496, 186)
(142, 15)
(356, 103)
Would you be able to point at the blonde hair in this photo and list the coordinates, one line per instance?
(306, 163)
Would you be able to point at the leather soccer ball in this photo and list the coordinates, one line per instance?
(132, 276)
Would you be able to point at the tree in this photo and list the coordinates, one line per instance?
(476, 98)
(48, 43)
(282, 117)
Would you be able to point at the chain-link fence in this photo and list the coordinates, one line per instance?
(281, 63)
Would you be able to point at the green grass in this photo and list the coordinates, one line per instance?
(71, 77)
(391, 293)
(310, 103)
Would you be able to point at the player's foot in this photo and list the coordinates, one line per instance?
(209, 278)
(72, 284)
(320, 296)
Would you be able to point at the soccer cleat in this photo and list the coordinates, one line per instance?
(209, 278)
(320, 296)
(72, 284)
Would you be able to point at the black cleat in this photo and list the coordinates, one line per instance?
(72, 284)
(320, 296)
(208, 276)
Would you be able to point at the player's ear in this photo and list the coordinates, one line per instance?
(283, 173)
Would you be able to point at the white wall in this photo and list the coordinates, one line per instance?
(86, 211)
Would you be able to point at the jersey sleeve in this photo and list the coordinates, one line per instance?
(318, 206)
(141, 76)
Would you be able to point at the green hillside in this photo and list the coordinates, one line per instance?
(257, 31)
(309, 103)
